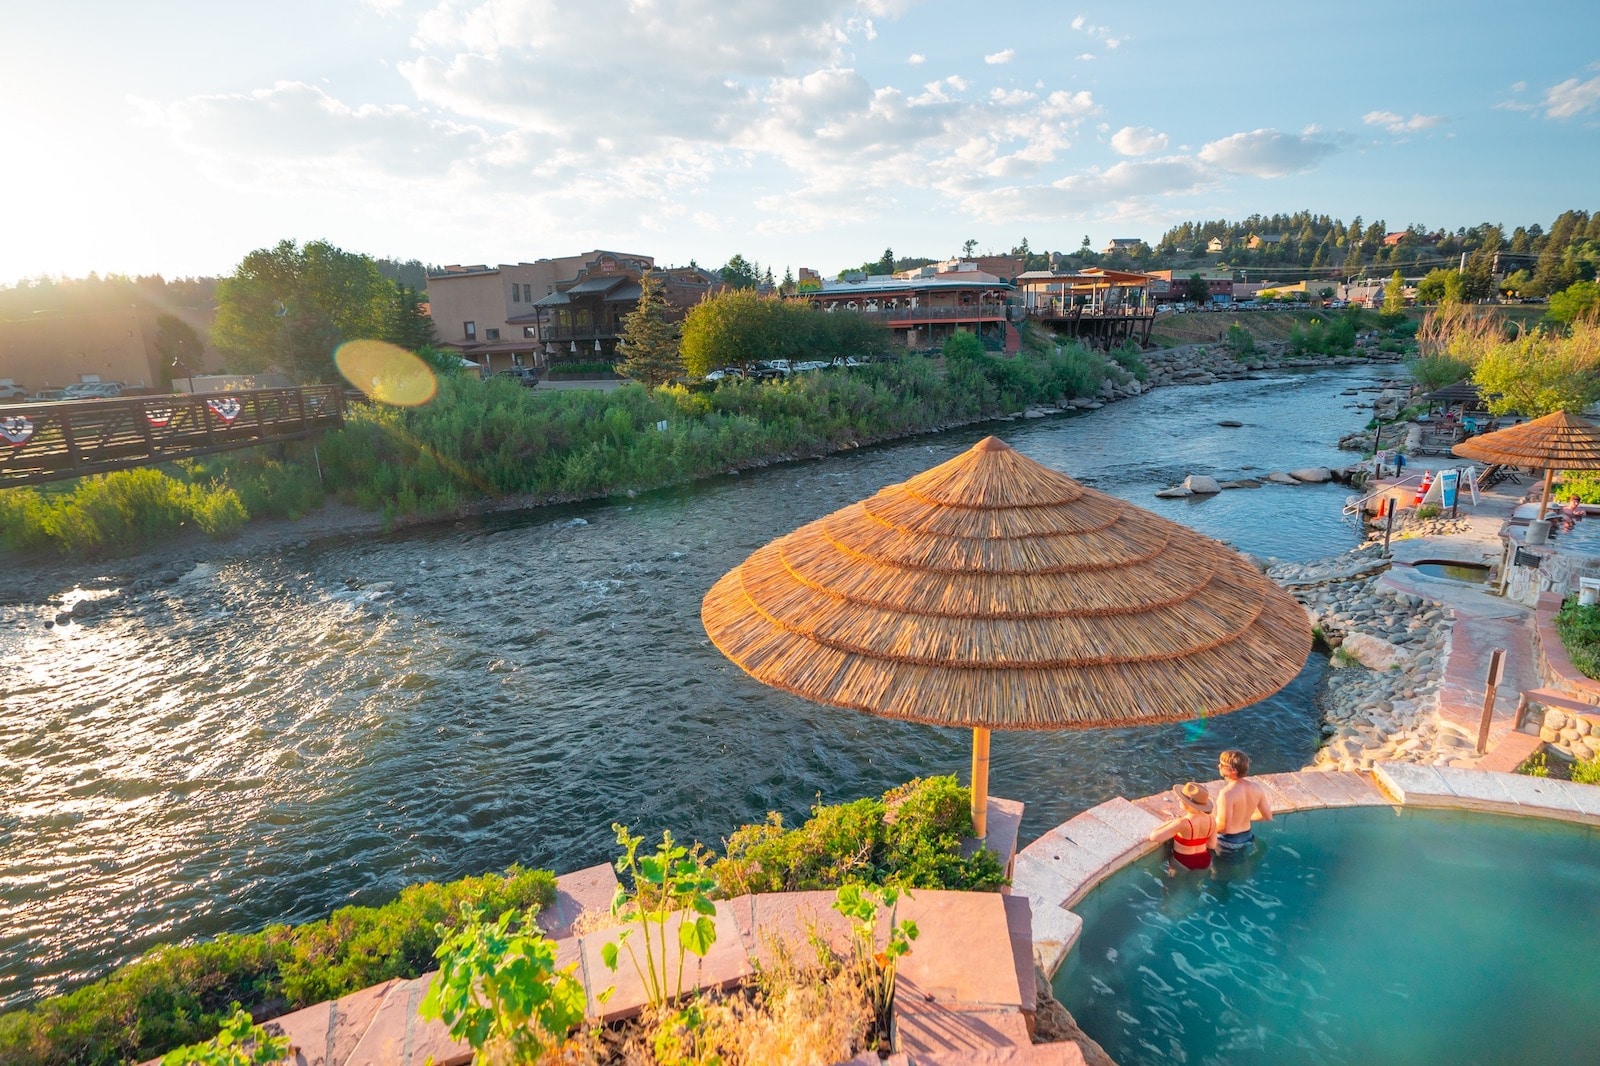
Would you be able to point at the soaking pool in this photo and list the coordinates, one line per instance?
(1450, 570)
(1350, 936)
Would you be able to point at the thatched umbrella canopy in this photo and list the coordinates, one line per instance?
(992, 592)
(1560, 441)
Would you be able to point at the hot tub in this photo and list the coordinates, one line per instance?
(1453, 570)
(1350, 936)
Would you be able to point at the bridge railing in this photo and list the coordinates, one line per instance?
(50, 441)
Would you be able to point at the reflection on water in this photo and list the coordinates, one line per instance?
(267, 740)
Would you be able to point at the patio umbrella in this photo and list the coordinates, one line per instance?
(1560, 441)
(992, 592)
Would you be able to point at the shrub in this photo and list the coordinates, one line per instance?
(918, 845)
(963, 345)
(1586, 771)
(1579, 627)
(181, 995)
(1240, 341)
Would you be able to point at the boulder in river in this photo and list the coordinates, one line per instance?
(1277, 477)
(1312, 475)
(1176, 492)
(1230, 423)
(1201, 485)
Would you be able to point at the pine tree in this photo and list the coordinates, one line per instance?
(649, 345)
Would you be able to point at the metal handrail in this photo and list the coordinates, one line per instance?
(1356, 508)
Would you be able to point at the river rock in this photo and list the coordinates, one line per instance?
(1279, 478)
(1229, 423)
(1177, 492)
(1201, 485)
(1313, 475)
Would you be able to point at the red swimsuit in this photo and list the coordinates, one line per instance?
(1193, 860)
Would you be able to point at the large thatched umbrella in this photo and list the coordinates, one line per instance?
(1560, 441)
(992, 592)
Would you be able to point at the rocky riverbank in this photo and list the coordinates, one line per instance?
(1387, 649)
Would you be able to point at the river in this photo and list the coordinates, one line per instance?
(270, 739)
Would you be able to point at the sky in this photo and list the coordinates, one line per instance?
(175, 137)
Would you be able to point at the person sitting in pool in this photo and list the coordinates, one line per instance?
(1194, 833)
(1240, 803)
(1571, 513)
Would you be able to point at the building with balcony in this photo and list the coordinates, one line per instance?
(921, 310)
(581, 319)
(526, 314)
(1096, 306)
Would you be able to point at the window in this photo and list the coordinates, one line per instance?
(491, 334)
(470, 329)
(529, 331)
(516, 293)
(527, 293)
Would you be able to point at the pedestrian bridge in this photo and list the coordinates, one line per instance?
(42, 442)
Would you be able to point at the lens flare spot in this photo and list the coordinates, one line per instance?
(386, 373)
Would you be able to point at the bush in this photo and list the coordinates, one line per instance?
(1240, 341)
(1579, 627)
(911, 838)
(183, 995)
(1586, 771)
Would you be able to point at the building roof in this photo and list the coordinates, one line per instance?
(554, 299)
(884, 283)
(628, 294)
(604, 283)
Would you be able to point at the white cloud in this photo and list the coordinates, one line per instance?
(1086, 56)
(1266, 153)
(1012, 97)
(1138, 140)
(1100, 33)
(916, 59)
(1117, 189)
(1571, 98)
(1396, 123)
(997, 58)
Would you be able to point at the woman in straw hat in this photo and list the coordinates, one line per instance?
(1193, 833)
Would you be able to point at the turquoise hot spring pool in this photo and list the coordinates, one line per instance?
(1351, 936)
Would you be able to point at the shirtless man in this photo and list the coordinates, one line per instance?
(1240, 803)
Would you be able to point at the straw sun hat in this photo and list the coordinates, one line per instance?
(1194, 795)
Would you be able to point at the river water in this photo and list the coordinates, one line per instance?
(268, 740)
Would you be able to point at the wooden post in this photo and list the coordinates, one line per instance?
(1544, 502)
(1388, 525)
(980, 781)
(1497, 663)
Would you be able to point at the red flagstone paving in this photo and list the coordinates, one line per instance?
(584, 890)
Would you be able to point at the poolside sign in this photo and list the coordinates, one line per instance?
(1449, 482)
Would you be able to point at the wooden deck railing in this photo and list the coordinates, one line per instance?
(53, 441)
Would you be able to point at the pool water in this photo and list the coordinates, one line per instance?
(1474, 573)
(1351, 936)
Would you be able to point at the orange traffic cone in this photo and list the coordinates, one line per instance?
(1422, 489)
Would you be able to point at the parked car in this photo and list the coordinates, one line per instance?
(770, 371)
(10, 391)
(725, 372)
(93, 390)
(524, 375)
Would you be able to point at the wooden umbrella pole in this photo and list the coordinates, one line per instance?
(980, 781)
(1549, 476)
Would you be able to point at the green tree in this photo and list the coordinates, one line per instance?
(739, 273)
(406, 323)
(1394, 300)
(1436, 286)
(289, 307)
(1196, 291)
(736, 328)
(649, 348)
(1579, 300)
(967, 248)
(179, 347)
(963, 345)
(1540, 372)
(886, 262)
(840, 335)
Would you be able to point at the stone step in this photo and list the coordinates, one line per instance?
(1551, 699)
(1512, 751)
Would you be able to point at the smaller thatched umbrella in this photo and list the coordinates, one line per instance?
(992, 592)
(1560, 441)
